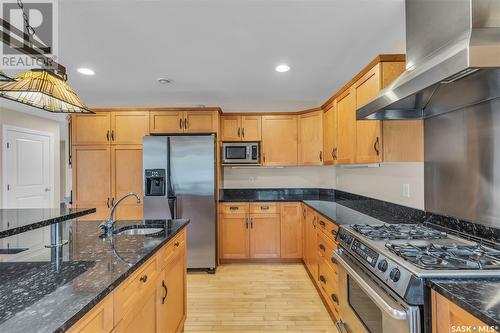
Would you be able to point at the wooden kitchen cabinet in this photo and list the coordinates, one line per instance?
(446, 315)
(126, 177)
(235, 237)
(330, 134)
(346, 128)
(92, 179)
(171, 289)
(368, 132)
(183, 121)
(291, 230)
(129, 127)
(264, 236)
(91, 129)
(241, 128)
(311, 138)
(279, 140)
(161, 122)
(311, 243)
(142, 317)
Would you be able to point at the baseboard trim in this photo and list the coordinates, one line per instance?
(262, 261)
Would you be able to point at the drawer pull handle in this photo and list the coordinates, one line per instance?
(334, 261)
(61, 244)
(334, 233)
(322, 247)
(234, 208)
(322, 223)
(176, 244)
(107, 135)
(264, 207)
(335, 298)
(322, 279)
(144, 278)
(166, 292)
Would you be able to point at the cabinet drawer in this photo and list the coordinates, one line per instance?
(264, 208)
(328, 283)
(173, 249)
(234, 208)
(130, 293)
(325, 250)
(328, 227)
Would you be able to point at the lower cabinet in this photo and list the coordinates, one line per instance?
(260, 230)
(448, 317)
(152, 299)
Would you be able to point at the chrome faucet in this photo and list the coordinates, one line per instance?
(109, 225)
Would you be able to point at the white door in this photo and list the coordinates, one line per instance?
(27, 168)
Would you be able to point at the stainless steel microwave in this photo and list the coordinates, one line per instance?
(240, 153)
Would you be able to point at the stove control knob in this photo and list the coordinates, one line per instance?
(382, 265)
(395, 274)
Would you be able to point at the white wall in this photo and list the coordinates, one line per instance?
(29, 121)
(383, 183)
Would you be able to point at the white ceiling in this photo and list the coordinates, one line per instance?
(223, 53)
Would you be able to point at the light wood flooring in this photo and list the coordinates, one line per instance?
(255, 298)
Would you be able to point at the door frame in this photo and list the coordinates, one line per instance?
(5, 129)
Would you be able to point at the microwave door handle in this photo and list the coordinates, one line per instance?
(393, 313)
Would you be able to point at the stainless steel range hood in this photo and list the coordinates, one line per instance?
(452, 61)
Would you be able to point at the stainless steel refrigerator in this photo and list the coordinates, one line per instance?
(179, 182)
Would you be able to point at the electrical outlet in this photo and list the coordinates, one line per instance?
(251, 180)
(406, 190)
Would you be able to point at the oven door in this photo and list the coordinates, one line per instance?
(365, 307)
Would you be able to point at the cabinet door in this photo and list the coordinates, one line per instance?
(170, 295)
(142, 317)
(166, 122)
(231, 128)
(200, 121)
(91, 129)
(97, 320)
(264, 236)
(251, 128)
(346, 128)
(311, 138)
(368, 132)
(126, 167)
(91, 179)
(330, 134)
(234, 236)
(312, 253)
(279, 140)
(129, 127)
(291, 230)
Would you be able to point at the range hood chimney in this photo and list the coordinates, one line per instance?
(453, 60)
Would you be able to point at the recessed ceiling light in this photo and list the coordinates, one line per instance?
(85, 71)
(282, 68)
(163, 80)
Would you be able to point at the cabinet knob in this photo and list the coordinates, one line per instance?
(322, 223)
(234, 208)
(322, 278)
(176, 244)
(143, 278)
(322, 247)
(335, 298)
(264, 207)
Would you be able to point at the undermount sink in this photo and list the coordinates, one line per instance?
(138, 230)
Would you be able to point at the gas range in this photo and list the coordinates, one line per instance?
(403, 255)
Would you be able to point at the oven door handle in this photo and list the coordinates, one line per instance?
(393, 313)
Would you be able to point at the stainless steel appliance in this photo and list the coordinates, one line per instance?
(179, 182)
(382, 269)
(240, 153)
(452, 60)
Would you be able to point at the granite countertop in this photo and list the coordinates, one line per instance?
(480, 297)
(47, 290)
(15, 221)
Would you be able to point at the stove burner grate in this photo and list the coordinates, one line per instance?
(398, 231)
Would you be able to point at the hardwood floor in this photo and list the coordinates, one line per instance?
(255, 298)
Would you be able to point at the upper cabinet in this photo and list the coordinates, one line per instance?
(311, 138)
(183, 121)
(109, 127)
(345, 151)
(279, 140)
(92, 129)
(241, 128)
(330, 134)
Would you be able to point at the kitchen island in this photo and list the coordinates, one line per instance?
(57, 286)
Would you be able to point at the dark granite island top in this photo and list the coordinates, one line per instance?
(49, 289)
(15, 221)
(480, 297)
